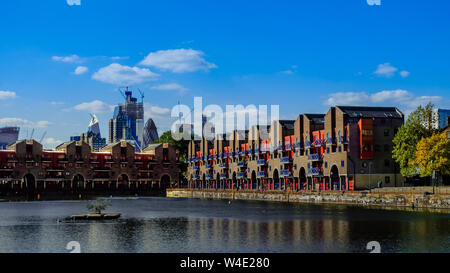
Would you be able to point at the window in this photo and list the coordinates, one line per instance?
(387, 179)
(326, 164)
(386, 148)
(387, 163)
(328, 150)
(377, 148)
(342, 163)
(367, 132)
(340, 148)
(295, 166)
(386, 132)
(309, 165)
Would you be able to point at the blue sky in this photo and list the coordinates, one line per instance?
(60, 62)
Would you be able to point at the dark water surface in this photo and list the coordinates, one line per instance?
(191, 225)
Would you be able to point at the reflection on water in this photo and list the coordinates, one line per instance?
(184, 225)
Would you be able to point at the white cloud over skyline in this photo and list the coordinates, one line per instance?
(94, 107)
(170, 87)
(24, 123)
(397, 97)
(123, 75)
(178, 60)
(68, 59)
(4, 95)
(81, 70)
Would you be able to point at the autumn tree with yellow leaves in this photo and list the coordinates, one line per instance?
(433, 154)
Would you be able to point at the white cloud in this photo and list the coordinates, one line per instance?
(386, 70)
(169, 87)
(95, 107)
(4, 95)
(404, 73)
(400, 97)
(123, 75)
(56, 103)
(51, 142)
(80, 70)
(68, 59)
(24, 123)
(73, 2)
(160, 115)
(178, 60)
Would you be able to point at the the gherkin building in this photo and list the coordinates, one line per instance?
(150, 132)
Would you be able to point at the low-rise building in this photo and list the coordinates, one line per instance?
(348, 148)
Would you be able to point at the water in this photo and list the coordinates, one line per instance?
(190, 225)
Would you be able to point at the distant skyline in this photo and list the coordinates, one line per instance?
(62, 60)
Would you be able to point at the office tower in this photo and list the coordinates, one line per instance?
(93, 136)
(128, 121)
(8, 135)
(150, 132)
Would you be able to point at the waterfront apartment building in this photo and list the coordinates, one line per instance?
(26, 169)
(348, 148)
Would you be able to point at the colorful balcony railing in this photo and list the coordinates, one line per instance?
(331, 141)
(261, 162)
(307, 144)
(208, 167)
(314, 157)
(314, 171)
(285, 159)
(256, 151)
(242, 164)
(240, 175)
(261, 174)
(299, 145)
(195, 168)
(208, 176)
(223, 166)
(318, 142)
(195, 176)
(284, 173)
(288, 146)
(223, 176)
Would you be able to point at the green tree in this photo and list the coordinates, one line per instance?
(97, 206)
(418, 125)
(433, 154)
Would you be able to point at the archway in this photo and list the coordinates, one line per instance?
(122, 182)
(217, 180)
(254, 181)
(30, 183)
(334, 177)
(165, 182)
(77, 182)
(302, 179)
(276, 179)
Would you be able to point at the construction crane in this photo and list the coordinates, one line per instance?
(142, 95)
(43, 135)
(32, 132)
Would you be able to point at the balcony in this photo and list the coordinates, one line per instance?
(242, 153)
(226, 155)
(314, 171)
(256, 151)
(208, 176)
(223, 176)
(223, 166)
(280, 148)
(314, 157)
(331, 141)
(261, 162)
(299, 145)
(318, 142)
(195, 176)
(285, 173)
(289, 146)
(210, 157)
(307, 144)
(286, 160)
(240, 175)
(242, 164)
(195, 168)
(208, 167)
(261, 174)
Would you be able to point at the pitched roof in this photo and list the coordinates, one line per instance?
(371, 111)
